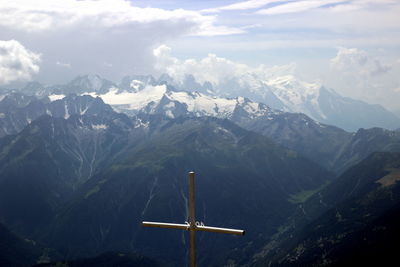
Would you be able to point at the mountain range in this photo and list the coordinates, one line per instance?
(291, 94)
(286, 93)
(83, 164)
(327, 145)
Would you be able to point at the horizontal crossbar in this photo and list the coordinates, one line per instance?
(166, 225)
(196, 228)
(220, 230)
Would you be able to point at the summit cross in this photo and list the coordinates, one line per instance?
(192, 225)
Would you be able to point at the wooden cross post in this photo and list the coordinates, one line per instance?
(191, 225)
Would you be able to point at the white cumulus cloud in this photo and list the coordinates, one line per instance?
(17, 62)
(211, 68)
(92, 35)
(214, 69)
(50, 15)
(357, 61)
(362, 75)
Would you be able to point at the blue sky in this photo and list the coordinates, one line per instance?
(352, 46)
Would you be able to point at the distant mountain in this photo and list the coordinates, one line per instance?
(166, 100)
(351, 221)
(363, 143)
(351, 114)
(290, 94)
(79, 85)
(319, 142)
(327, 106)
(295, 131)
(86, 83)
(327, 145)
(35, 88)
(136, 83)
(285, 92)
(18, 110)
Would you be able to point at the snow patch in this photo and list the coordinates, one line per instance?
(99, 126)
(196, 103)
(56, 97)
(222, 129)
(140, 123)
(66, 115)
(135, 100)
(204, 104)
(297, 95)
(82, 112)
(136, 84)
(169, 105)
(169, 114)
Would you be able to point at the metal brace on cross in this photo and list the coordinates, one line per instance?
(192, 226)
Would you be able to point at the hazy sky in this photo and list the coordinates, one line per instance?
(352, 46)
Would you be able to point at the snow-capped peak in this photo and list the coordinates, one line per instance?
(172, 103)
(136, 85)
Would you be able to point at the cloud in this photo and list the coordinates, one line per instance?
(359, 74)
(349, 59)
(354, 5)
(379, 68)
(214, 69)
(252, 4)
(211, 68)
(341, 21)
(16, 62)
(62, 64)
(353, 73)
(294, 7)
(306, 24)
(51, 15)
(355, 61)
(87, 34)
